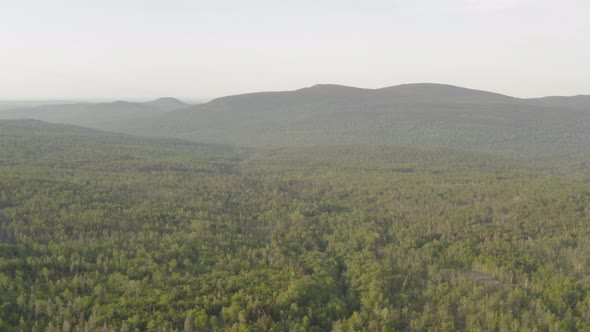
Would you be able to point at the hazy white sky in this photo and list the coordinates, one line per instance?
(197, 49)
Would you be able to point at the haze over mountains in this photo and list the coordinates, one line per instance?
(94, 115)
(410, 114)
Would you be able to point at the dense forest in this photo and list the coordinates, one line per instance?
(109, 232)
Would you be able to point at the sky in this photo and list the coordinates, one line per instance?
(144, 49)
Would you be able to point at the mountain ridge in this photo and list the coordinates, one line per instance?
(427, 114)
(96, 115)
(422, 114)
(401, 90)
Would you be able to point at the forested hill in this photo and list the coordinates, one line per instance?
(417, 114)
(103, 231)
(422, 115)
(36, 143)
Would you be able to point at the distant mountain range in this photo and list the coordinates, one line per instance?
(410, 114)
(95, 115)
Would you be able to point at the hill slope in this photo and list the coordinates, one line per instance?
(39, 144)
(412, 114)
(426, 114)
